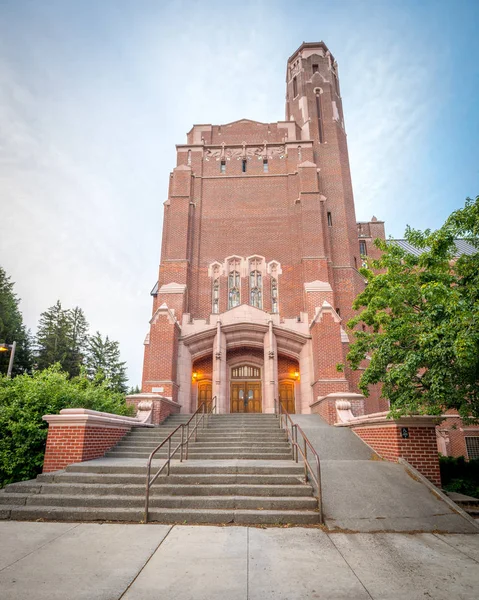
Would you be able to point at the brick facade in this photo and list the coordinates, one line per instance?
(260, 250)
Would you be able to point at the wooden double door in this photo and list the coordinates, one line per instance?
(205, 390)
(246, 397)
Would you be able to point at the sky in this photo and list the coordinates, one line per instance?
(94, 95)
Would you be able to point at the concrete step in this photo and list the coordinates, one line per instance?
(224, 443)
(161, 488)
(165, 515)
(128, 445)
(210, 455)
(232, 466)
(194, 502)
(125, 479)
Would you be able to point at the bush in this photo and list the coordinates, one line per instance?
(459, 475)
(23, 402)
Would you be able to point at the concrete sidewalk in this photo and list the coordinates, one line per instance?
(70, 561)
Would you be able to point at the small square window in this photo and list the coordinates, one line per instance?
(265, 166)
(223, 167)
(362, 248)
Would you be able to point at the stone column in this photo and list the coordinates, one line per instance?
(306, 374)
(184, 378)
(270, 370)
(219, 371)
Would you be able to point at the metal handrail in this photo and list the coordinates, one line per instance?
(292, 430)
(202, 410)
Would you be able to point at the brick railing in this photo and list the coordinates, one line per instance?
(160, 407)
(78, 434)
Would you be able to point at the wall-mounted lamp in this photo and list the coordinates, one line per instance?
(195, 375)
(296, 375)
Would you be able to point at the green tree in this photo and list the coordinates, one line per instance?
(12, 328)
(422, 315)
(103, 362)
(62, 338)
(23, 402)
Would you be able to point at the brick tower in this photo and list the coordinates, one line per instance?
(260, 256)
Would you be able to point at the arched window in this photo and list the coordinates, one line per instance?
(233, 289)
(216, 296)
(256, 289)
(274, 295)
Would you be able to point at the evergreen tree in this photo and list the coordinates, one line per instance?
(103, 363)
(77, 340)
(12, 329)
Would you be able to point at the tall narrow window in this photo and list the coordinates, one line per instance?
(189, 157)
(362, 248)
(274, 295)
(265, 165)
(255, 289)
(233, 289)
(244, 165)
(336, 83)
(320, 118)
(223, 166)
(295, 87)
(216, 296)
(355, 263)
(330, 220)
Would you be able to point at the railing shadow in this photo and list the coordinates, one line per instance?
(301, 447)
(200, 417)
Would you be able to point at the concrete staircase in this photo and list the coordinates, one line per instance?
(239, 471)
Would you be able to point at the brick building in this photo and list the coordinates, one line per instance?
(260, 257)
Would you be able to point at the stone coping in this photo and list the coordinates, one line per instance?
(151, 396)
(381, 420)
(338, 396)
(82, 417)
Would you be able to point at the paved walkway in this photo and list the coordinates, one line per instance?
(363, 493)
(70, 561)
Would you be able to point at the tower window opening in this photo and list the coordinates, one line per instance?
(274, 295)
(243, 168)
(188, 160)
(330, 220)
(362, 248)
(295, 87)
(216, 296)
(320, 118)
(315, 69)
(265, 166)
(339, 312)
(233, 289)
(223, 166)
(355, 263)
(256, 287)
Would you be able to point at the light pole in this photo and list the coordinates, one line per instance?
(6, 348)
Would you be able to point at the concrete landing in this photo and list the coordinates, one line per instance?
(364, 493)
(54, 561)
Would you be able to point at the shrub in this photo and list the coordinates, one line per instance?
(459, 475)
(23, 402)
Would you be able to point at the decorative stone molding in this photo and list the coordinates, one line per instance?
(163, 310)
(173, 288)
(317, 286)
(344, 336)
(326, 308)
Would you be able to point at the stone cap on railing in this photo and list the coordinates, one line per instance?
(380, 419)
(94, 418)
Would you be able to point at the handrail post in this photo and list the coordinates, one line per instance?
(305, 460)
(147, 495)
(196, 427)
(187, 438)
(169, 456)
(182, 442)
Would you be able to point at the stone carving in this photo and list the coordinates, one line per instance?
(263, 151)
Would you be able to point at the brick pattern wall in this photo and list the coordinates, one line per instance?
(420, 449)
(71, 444)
